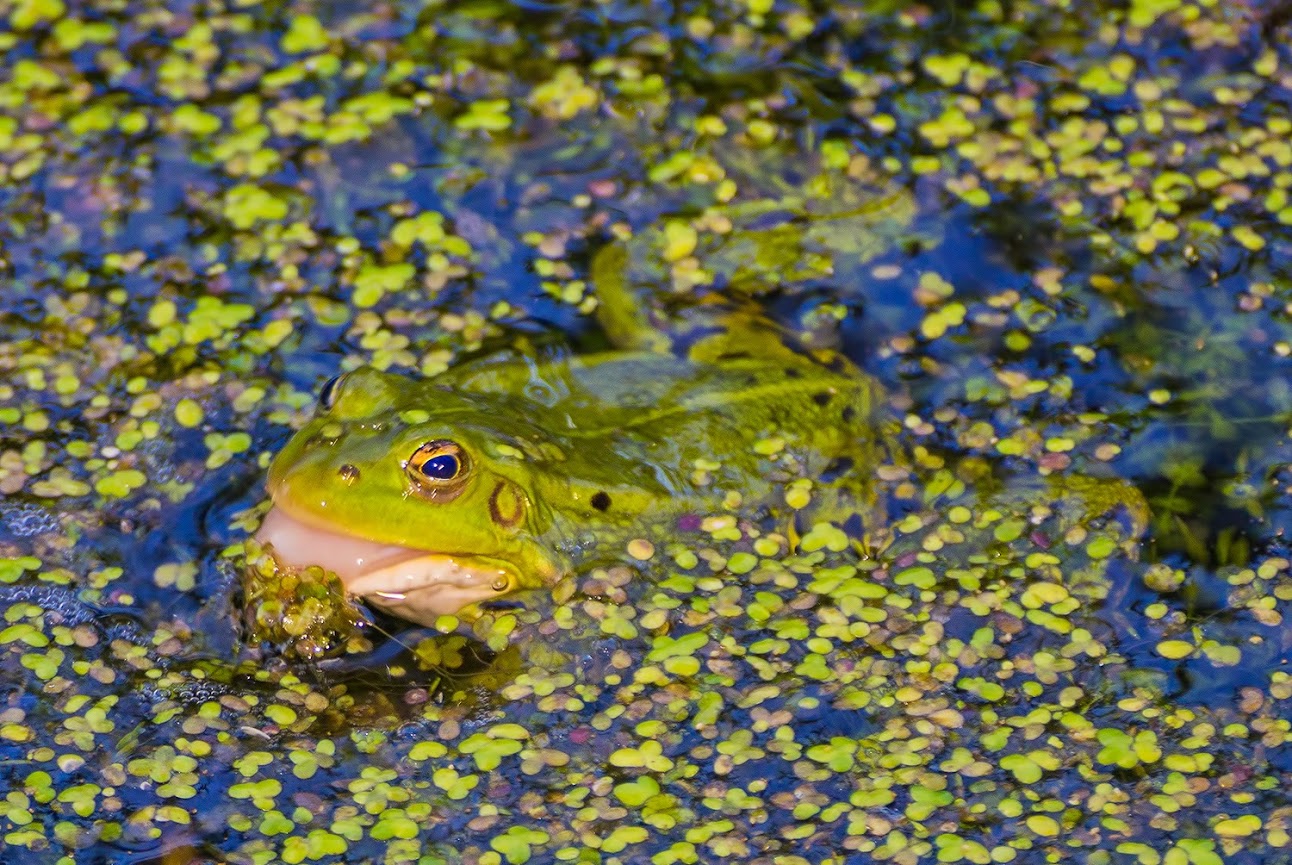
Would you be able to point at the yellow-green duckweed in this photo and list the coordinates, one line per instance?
(1056, 231)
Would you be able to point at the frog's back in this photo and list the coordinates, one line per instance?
(663, 433)
(729, 403)
(706, 399)
(639, 393)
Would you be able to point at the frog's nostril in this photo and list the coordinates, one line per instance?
(348, 472)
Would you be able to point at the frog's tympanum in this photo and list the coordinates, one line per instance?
(427, 496)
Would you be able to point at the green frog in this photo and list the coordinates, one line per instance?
(435, 496)
(429, 497)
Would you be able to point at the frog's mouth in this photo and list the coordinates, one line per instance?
(418, 585)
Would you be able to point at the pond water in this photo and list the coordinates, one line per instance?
(1056, 231)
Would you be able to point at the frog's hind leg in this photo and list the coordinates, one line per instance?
(629, 321)
(706, 327)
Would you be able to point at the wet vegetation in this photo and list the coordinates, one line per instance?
(1057, 231)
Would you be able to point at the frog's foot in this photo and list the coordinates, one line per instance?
(856, 512)
(1084, 498)
(1073, 503)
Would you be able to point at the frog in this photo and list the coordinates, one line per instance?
(442, 495)
(446, 495)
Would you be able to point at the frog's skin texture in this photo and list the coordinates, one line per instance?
(556, 453)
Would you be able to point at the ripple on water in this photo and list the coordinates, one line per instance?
(26, 520)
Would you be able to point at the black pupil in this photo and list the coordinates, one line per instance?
(442, 468)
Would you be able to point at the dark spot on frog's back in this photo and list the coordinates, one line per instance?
(848, 414)
(601, 501)
(822, 398)
(348, 473)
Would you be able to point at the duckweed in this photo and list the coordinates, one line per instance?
(1056, 234)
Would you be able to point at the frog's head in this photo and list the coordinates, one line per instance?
(411, 494)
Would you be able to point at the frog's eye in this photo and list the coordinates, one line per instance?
(442, 467)
(328, 393)
(437, 465)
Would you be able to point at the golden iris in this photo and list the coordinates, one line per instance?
(438, 466)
